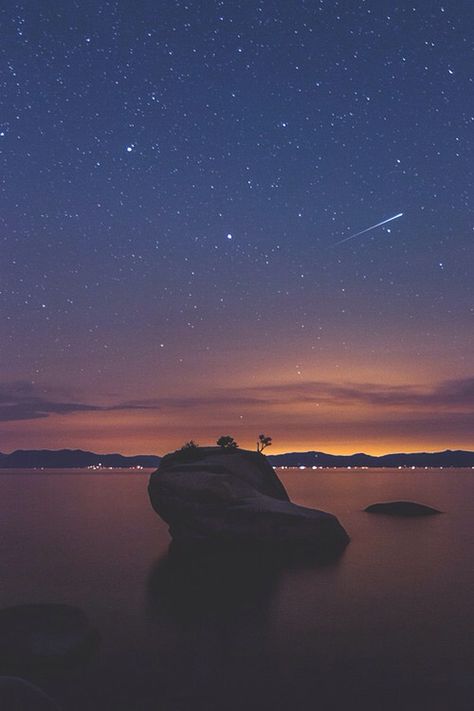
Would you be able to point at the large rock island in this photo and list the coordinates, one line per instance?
(225, 497)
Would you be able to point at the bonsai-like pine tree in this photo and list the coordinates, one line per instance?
(190, 445)
(227, 442)
(263, 441)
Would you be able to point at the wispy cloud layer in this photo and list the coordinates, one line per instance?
(21, 400)
(447, 394)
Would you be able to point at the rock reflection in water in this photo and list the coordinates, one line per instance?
(212, 631)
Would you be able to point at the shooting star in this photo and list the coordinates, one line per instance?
(367, 229)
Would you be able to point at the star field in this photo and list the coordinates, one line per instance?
(174, 180)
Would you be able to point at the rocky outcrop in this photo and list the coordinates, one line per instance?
(402, 508)
(214, 496)
(44, 634)
(19, 695)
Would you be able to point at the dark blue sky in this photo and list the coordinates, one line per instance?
(175, 177)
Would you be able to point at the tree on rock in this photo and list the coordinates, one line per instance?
(190, 445)
(227, 442)
(263, 441)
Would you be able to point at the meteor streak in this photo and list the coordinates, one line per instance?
(367, 229)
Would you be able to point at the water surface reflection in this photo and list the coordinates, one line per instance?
(219, 615)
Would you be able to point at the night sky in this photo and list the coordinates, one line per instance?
(174, 179)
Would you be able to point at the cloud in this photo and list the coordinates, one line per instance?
(21, 400)
(445, 395)
(217, 398)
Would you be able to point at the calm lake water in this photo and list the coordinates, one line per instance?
(390, 625)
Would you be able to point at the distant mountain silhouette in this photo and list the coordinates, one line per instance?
(76, 459)
(447, 458)
(71, 459)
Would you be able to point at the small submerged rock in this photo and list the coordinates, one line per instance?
(44, 634)
(212, 496)
(19, 695)
(402, 508)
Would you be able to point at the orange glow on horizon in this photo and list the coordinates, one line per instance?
(145, 432)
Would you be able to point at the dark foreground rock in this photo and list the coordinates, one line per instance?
(37, 635)
(19, 695)
(215, 497)
(402, 508)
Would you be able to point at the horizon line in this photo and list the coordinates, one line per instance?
(302, 451)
